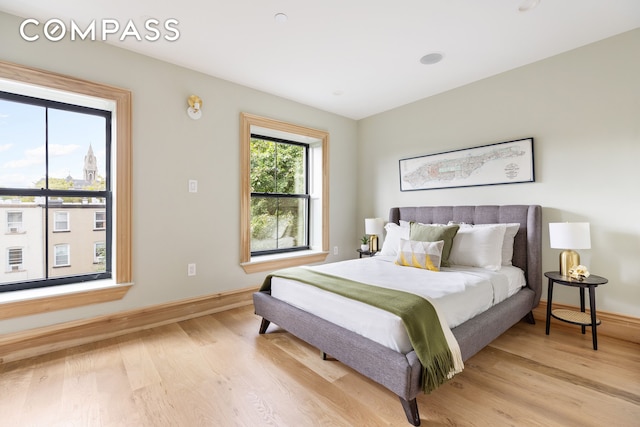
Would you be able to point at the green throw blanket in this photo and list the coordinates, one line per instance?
(419, 316)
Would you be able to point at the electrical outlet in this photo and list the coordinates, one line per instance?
(191, 270)
(193, 186)
(335, 250)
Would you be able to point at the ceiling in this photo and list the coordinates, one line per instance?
(354, 58)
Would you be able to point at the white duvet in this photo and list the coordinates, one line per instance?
(459, 293)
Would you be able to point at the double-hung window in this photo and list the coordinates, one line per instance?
(14, 259)
(14, 222)
(60, 183)
(279, 195)
(56, 166)
(284, 201)
(61, 221)
(62, 257)
(99, 220)
(99, 251)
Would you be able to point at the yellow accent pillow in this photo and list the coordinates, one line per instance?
(426, 255)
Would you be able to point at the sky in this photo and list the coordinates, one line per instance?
(22, 143)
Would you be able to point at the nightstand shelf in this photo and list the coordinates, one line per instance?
(575, 317)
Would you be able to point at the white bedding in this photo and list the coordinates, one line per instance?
(459, 293)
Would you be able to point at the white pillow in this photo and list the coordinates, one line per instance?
(507, 242)
(478, 246)
(414, 253)
(392, 239)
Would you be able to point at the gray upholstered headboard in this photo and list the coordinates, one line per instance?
(527, 246)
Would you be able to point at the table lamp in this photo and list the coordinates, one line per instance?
(373, 227)
(569, 236)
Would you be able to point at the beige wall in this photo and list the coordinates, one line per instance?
(582, 108)
(171, 226)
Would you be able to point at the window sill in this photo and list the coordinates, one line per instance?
(274, 262)
(43, 300)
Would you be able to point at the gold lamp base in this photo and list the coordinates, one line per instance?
(568, 260)
(373, 243)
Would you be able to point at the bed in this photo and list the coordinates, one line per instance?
(400, 371)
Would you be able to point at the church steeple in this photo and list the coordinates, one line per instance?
(90, 166)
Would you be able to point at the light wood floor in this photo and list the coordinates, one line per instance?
(217, 371)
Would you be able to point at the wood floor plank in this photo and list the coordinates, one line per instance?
(79, 399)
(278, 389)
(44, 398)
(14, 389)
(216, 370)
(135, 357)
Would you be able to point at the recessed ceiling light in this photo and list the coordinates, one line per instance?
(528, 5)
(431, 58)
(280, 17)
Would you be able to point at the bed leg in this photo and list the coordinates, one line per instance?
(529, 318)
(264, 325)
(411, 410)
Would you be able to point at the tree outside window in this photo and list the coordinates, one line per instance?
(279, 195)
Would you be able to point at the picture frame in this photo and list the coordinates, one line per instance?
(507, 162)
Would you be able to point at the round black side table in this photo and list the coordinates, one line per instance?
(570, 316)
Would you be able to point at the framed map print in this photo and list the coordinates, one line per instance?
(502, 163)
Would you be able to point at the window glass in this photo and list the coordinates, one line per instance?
(22, 136)
(76, 150)
(284, 211)
(61, 219)
(279, 195)
(99, 220)
(99, 249)
(61, 255)
(15, 258)
(14, 222)
(55, 170)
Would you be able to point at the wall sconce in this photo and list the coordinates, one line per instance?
(195, 107)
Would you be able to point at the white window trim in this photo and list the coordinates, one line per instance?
(55, 256)
(11, 224)
(10, 267)
(95, 220)
(55, 221)
(96, 260)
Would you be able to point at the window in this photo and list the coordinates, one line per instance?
(14, 222)
(57, 98)
(99, 252)
(62, 257)
(285, 194)
(61, 221)
(14, 256)
(99, 220)
(279, 195)
(49, 166)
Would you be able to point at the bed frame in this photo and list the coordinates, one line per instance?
(401, 373)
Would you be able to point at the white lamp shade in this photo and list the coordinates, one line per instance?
(569, 235)
(373, 226)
